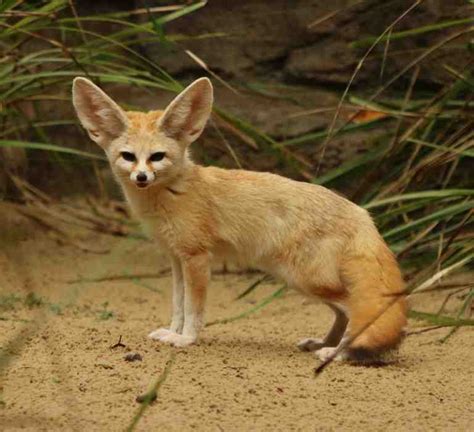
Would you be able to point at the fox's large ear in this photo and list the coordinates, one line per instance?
(103, 119)
(185, 117)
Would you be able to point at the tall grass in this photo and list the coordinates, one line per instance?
(45, 45)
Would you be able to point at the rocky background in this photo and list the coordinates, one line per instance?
(287, 63)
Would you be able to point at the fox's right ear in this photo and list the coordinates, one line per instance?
(103, 119)
(186, 116)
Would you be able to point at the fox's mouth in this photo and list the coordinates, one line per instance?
(142, 185)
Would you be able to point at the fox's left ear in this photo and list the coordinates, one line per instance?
(103, 119)
(186, 116)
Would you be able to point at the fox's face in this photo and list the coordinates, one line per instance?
(145, 149)
(145, 155)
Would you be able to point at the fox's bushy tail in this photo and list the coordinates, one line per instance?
(376, 301)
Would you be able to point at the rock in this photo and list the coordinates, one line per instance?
(131, 357)
(281, 112)
(327, 61)
(147, 398)
(240, 35)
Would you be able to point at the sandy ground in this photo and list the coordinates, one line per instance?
(59, 372)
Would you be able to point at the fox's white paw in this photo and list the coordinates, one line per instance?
(325, 353)
(310, 344)
(178, 340)
(170, 337)
(160, 333)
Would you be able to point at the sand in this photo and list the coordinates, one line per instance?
(61, 373)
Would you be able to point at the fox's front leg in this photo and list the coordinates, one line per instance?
(196, 273)
(177, 320)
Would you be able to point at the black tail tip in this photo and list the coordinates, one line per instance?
(367, 357)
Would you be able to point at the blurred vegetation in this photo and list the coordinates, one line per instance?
(416, 179)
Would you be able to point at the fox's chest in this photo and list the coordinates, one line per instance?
(158, 230)
(175, 235)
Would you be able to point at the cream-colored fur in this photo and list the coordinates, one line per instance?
(317, 241)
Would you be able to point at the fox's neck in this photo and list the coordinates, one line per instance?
(153, 199)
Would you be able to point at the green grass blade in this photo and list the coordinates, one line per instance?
(413, 32)
(323, 134)
(152, 394)
(181, 12)
(442, 320)
(7, 4)
(252, 287)
(467, 153)
(431, 194)
(467, 303)
(439, 215)
(278, 293)
(49, 147)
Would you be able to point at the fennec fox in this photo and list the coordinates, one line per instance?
(315, 240)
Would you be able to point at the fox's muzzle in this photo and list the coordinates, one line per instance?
(142, 178)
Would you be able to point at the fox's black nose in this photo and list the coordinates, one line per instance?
(141, 177)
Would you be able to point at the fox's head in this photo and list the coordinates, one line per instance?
(144, 148)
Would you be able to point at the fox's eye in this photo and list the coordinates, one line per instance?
(156, 157)
(130, 157)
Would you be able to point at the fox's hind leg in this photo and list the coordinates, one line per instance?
(177, 320)
(334, 336)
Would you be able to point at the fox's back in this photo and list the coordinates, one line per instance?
(256, 198)
(266, 215)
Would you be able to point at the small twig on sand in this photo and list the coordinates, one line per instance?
(424, 330)
(118, 344)
(160, 274)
